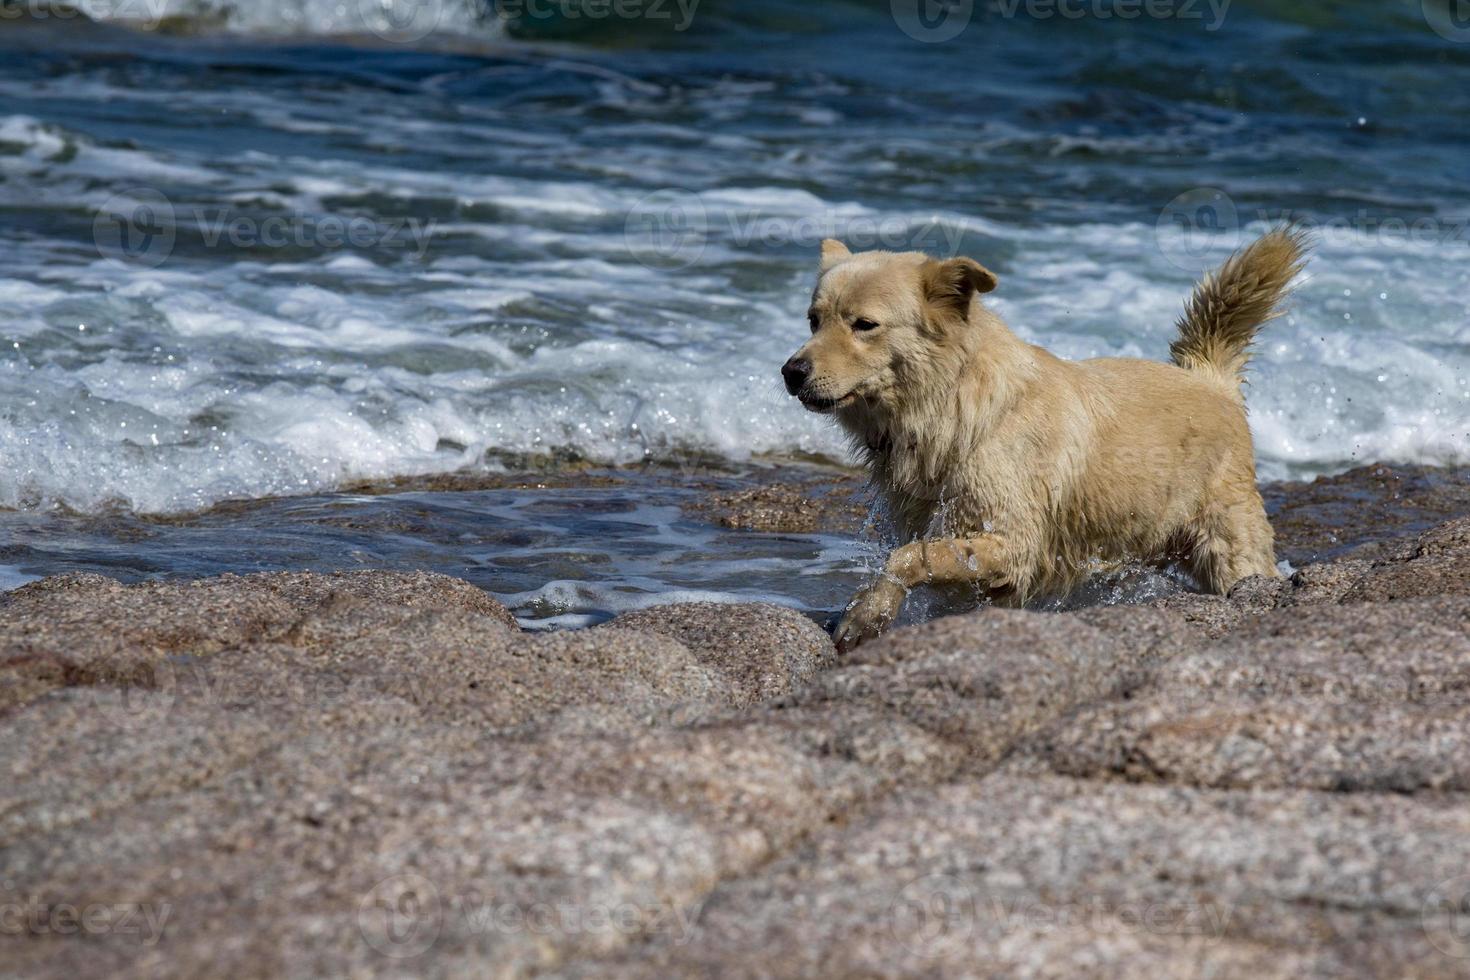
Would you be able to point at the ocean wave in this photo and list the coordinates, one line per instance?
(177, 389)
(395, 21)
(363, 264)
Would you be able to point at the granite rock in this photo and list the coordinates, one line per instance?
(380, 774)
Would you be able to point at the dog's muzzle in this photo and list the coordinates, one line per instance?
(796, 372)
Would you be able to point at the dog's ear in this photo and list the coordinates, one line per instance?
(950, 284)
(833, 252)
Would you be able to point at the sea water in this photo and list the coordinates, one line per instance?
(265, 250)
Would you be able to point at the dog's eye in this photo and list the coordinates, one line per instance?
(863, 324)
(815, 321)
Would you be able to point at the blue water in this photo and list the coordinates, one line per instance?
(560, 556)
(267, 249)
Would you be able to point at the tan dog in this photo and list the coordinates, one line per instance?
(1015, 472)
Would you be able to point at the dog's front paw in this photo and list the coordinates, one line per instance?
(869, 614)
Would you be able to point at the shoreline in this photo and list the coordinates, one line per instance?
(376, 772)
(1329, 516)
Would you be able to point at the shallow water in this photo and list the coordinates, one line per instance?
(575, 550)
(558, 557)
(256, 258)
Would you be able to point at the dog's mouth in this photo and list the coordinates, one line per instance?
(825, 405)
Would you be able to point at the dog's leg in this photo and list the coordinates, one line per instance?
(948, 561)
(1235, 541)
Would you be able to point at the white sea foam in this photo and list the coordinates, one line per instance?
(254, 384)
(524, 322)
(390, 18)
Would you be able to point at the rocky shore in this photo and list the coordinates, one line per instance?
(380, 774)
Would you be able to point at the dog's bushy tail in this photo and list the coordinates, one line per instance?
(1229, 305)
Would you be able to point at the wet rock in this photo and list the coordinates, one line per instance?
(1361, 513)
(793, 503)
(1450, 538)
(1434, 563)
(379, 774)
(1216, 615)
(1431, 575)
(1328, 583)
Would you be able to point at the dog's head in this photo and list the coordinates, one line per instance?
(875, 317)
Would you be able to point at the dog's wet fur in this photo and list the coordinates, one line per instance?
(1015, 472)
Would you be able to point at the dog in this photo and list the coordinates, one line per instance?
(1016, 473)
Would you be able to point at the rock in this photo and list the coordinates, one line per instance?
(1430, 575)
(762, 651)
(1216, 615)
(1015, 875)
(1371, 697)
(379, 774)
(514, 848)
(1450, 538)
(87, 629)
(791, 503)
(1325, 584)
(1434, 563)
(1360, 513)
(985, 679)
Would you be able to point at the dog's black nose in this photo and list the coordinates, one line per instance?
(796, 372)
